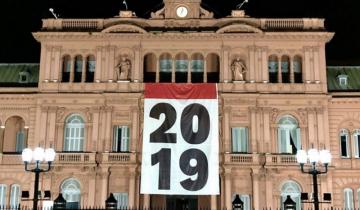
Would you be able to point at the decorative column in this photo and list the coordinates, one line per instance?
(83, 70)
(136, 64)
(252, 66)
(213, 202)
(111, 62)
(228, 194)
(95, 127)
(157, 69)
(98, 67)
(292, 76)
(320, 127)
(146, 201)
(132, 186)
(205, 70)
(48, 67)
(51, 130)
(311, 126)
(134, 130)
(269, 189)
(279, 70)
(173, 70)
(189, 71)
(307, 68)
(253, 130)
(57, 64)
(316, 64)
(72, 69)
(255, 183)
(265, 68)
(226, 77)
(108, 128)
(44, 127)
(226, 130)
(92, 186)
(267, 132)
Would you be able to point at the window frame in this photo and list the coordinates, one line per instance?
(237, 148)
(15, 199)
(115, 142)
(350, 198)
(348, 151)
(75, 143)
(125, 198)
(289, 132)
(3, 191)
(356, 143)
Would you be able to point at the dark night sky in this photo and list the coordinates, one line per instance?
(18, 18)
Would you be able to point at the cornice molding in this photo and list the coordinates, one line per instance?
(272, 36)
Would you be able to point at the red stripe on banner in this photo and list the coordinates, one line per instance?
(181, 91)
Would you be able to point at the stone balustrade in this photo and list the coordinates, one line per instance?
(242, 159)
(280, 159)
(265, 24)
(75, 158)
(117, 158)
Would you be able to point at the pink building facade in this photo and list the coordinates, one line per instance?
(274, 98)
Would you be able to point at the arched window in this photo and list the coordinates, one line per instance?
(344, 143)
(293, 189)
(197, 68)
(71, 192)
(289, 140)
(273, 66)
(15, 196)
(356, 139)
(150, 66)
(297, 69)
(212, 68)
(90, 68)
(78, 68)
(166, 65)
(348, 199)
(181, 70)
(285, 69)
(74, 134)
(2, 195)
(66, 68)
(15, 136)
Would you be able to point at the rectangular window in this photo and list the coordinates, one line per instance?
(348, 199)
(344, 146)
(289, 140)
(2, 195)
(240, 139)
(245, 199)
(122, 200)
(121, 139)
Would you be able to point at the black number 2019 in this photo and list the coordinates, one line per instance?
(195, 129)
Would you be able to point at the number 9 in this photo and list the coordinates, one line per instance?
(201, 169)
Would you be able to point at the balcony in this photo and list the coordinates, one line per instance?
(242, 159)
(10, 159)
(75, 158)
(117, 158)
(281, 160)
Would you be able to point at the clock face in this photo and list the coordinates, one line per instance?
(181, 11)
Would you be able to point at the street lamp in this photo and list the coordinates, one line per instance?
(237, 203)
(315, 158)
(38, 155)
(289, 204)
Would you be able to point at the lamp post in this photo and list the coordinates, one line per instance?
(315, 158)
(237, 203)
(38, 155)
(289, 204)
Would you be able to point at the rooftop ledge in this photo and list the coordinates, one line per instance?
(236, 17)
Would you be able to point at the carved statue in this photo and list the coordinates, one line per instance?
(123, 69)
(238, 69)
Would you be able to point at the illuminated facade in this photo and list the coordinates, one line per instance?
(88, 105)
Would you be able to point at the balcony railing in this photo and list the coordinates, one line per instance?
(10, 159)
(117, 158)
(73, 158)
(280, 159)
(242, 159)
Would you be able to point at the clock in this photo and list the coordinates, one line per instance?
(181, 11)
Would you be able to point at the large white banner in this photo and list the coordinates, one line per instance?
(180, 140)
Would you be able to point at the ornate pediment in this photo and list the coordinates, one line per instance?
(124, 28)
(239, 28)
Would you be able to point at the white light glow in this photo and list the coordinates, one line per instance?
(313, 155)
(39, 154)
(50, 155)
(27, 155)
(325, 156)
(301, 156)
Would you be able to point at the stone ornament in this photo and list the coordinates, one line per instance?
(123, 69)
(238, 69)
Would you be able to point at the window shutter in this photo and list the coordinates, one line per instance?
(15, 196)
(2, 195)
(20, 141)
(125, 139)
(235, 139)
(116, 138)
(283, 140)
(243, 140)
